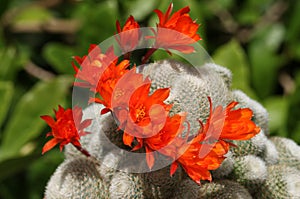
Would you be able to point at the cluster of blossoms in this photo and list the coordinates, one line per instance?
(143, 117)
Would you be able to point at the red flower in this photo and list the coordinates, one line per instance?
(163, 139)
(125, 87)
(206, 151)
(66, 129)
(228, 124)
(146, 115)
(128, 36)
(189, 154)
(176, 31)
(92, 66)
(107, 82)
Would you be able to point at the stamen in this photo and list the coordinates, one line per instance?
(140, 113)
(97, 63)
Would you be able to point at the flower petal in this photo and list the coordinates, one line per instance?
(127, 139)
(50, 121)
(173, 168)
(150, 157)
(50, 144)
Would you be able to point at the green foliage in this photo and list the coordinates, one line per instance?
(34, 103)
(139, 8)
(6, 93)
(278, 113)
(264, 60)
(257, 40)
(11, 62)
(232, 56)
(59, 57)
(35, 14)
(98, 21)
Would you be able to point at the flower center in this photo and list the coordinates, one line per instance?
(140, 113)
(97, 63)
(118, 92)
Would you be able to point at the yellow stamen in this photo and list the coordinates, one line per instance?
(140, 113)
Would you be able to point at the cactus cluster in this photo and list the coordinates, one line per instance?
(262, 167)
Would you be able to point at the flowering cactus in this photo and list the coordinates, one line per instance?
(165, 129)
(248, 167)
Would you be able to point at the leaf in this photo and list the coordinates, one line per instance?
(32, 13)
(293, 122)
(6, 93)
(232, 56)
(98, 21)
(25, 123)
(277, 107)
(264, 60)
(270, 36)
(293, 27)
(13, 165)
(264, 68)
(251, 11)
(39, 172)
(11, 62)
(4, 6)
(139, 9)
(295, 50)
(59, 57)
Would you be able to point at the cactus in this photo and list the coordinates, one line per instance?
(226, 167)
(249, 171)
(223, 189)
(270, 154)
(260, 117)
(288, 151)
(262, 167)
(253, 146)
(77, 178)
(126, 185)
(282, 182)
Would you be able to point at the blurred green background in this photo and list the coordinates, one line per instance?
(259, 40)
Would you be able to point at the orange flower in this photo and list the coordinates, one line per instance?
(176, 31)
(238, 124)
(146, 115)
(172, 128)
(67, 128)
(206, 151)
(128, 36)
(92, 66)
(116, 86)
(125, 87)
(195, 158)
(107, 82)
(228, 124)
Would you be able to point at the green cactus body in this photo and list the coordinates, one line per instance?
(270, 154)
(226, 167)
(126, 185)
(77, 178)
(282, 182)
(186, 189)
(250, 171)
(288, 151)
(253, 146)
(223, 189)
(262, 167)
(159, 184)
